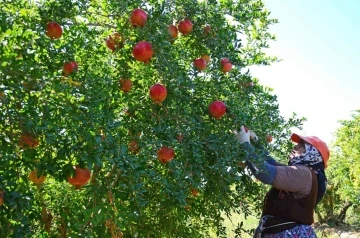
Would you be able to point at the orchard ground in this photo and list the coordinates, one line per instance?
(322, 230)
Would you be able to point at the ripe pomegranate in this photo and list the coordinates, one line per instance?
(138, 18)
(110, 43)
(194, 192)
(226, 65)
(247, 84)
(143, 51)
(180, 137)
(269, 138)
(217, 109)
(128, 112)
(185, 26)
(206, 58)
(173, 31)
(102, 135)
(125, 85)
(28, 141)
(224, 61)
(53, 30)
(70, 67)
(35, 179)
(29, 86)
(165, 154)
(158, 93)
(114, 41)
(200, 64)
(81, 177)
(207, 30)
(1, 197)
(242, 165)
(134, 134)
(133, 147)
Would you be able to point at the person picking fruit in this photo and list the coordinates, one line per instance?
(296, 188)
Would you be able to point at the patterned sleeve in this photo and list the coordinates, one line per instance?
(295, 179)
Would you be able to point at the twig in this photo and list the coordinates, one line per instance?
(91, 24)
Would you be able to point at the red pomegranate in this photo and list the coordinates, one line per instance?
(158, 92)
(143, 51)
(81, 177)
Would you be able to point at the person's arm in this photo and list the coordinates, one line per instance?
(295, 179)
(264, 172)
(273, 162)
(269, 159)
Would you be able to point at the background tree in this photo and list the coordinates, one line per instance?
(344, 183)
(78, 97)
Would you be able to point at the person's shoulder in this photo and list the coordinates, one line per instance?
(298, 170)
(300, 167)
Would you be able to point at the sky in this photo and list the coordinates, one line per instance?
(318, 42)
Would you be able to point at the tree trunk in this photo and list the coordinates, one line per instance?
(331, 202)
(343, 211)
(320, 218)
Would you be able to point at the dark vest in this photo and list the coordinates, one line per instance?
(283, 204)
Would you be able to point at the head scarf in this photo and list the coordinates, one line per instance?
(310, 157)
(313, 159)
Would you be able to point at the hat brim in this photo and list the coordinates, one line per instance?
(296, 138)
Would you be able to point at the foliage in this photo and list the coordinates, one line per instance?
(344, 183)
(83, 118)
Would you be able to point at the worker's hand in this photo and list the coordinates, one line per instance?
(245, 135)
(253, 136)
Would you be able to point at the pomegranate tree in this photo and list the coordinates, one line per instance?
(117, 88)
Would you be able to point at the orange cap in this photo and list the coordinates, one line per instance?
(319, 145)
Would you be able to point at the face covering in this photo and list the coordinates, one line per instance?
(310, 157)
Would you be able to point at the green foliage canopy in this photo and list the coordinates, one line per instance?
(84, 119)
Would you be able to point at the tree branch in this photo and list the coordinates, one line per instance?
(91, 24)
